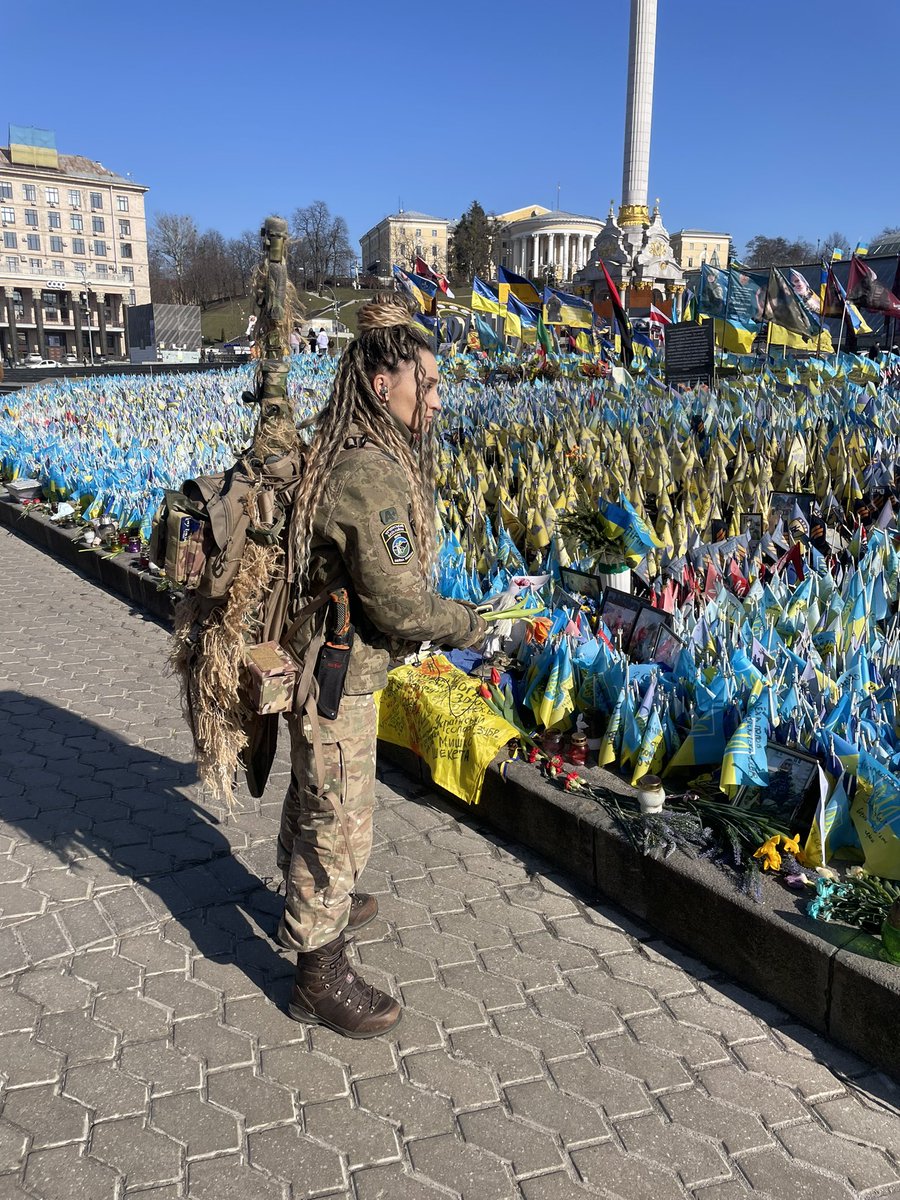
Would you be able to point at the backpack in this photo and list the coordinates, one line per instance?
(243, 654)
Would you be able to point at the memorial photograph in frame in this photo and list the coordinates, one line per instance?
(645, 634)
(619, 613)
(792, 777)
(668, 646)
(752, 523)
(782, 505)
(581, 583)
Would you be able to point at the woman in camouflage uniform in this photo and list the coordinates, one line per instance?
(363, 519)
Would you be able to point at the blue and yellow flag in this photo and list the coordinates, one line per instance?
(486, 335)
(744, 761)
(517, 285)
(484, 298)
(561, 308)
(521, 321)
(412, 287)
(428, 290)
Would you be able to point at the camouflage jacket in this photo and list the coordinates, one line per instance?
(363, 538)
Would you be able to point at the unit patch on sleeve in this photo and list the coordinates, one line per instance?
(387, 516)
(398, 543)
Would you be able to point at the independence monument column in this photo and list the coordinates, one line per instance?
(634, 215)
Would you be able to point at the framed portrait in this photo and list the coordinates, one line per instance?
(668, 647)
(581, 583)
(645, 634)
(752, 523)
(619, 613)
(562, 599)
(793, 778)
(782, 504)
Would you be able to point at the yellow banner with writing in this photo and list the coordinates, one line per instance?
(435, 710)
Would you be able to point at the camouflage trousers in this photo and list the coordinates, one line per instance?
(312, 847)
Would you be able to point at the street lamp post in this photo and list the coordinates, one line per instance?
(335, 304)
(87, 310)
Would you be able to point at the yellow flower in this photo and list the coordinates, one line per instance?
(768, 852)
(791, 845)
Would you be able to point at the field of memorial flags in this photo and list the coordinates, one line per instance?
(742, 641)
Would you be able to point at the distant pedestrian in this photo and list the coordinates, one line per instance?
(322, 341)
(311, 339)
(294, 341)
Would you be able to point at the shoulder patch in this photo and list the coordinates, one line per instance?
(398, 543)
(387, 515)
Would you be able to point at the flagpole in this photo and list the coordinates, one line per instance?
(822, 293)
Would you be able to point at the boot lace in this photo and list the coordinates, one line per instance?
(337, 974)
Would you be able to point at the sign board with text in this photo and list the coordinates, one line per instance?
(690, 352)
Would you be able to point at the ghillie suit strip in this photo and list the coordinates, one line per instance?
(246, 602)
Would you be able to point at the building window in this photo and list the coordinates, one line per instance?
(51, 195)
(5, 190)
(690, 262)
(36, 265)
(100, 249)
(125, 249)
(418, 233)
(56, 244)
(434, 233)
(76, 220)
(31, 217)
(128, 274)
(124, 228)
(10, 241)
(12, 266)
(132, 297)
(8, 214)
(101, 270)
(34, 241)
(96, 199)
(54, 220)
(29, 191)
(78, 246)
(122, 203)
(98, 225)
(59, 267)
(75, 198)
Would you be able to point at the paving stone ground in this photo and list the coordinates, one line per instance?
(550, 1049)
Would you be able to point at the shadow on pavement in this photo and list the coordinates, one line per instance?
(82, 796)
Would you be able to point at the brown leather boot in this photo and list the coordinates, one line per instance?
(363, 909)
(328, 991)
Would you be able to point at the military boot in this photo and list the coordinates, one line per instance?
(328, 991)
(363, 909)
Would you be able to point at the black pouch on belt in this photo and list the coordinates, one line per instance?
(334, 655)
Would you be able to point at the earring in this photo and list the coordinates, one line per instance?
(383, 393)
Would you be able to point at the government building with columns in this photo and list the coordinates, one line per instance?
(73, 256)
(539, 242)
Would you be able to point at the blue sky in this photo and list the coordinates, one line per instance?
(761, 124)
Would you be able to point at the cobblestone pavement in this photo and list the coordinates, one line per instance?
(550, 1047)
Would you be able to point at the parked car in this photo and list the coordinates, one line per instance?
(35, 360)
(71, 360)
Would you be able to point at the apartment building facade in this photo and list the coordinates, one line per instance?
(73, 252)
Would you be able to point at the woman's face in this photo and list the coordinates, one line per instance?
(401, 392)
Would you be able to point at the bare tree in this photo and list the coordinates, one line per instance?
(765, 251)
(172, 246)
(321, 245)
(836, 241)
(244, 252)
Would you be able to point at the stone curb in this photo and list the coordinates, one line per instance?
(819, 973)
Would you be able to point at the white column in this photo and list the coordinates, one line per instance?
(639, 110)
(535, 237)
